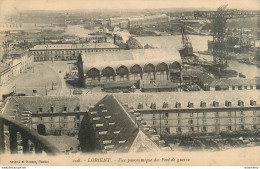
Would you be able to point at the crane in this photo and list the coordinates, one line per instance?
(219, 19)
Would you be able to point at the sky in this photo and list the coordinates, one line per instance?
(12, 6)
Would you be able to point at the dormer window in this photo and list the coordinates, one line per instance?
(227, 103)
(140, 106)
(165, 105)
(240, 103)
(252, 103)
(52, 109)
(40, 109)
(190, 104)
(64, 108)
(178, 105)
(202, 104)
(153, 106)
(77, 108)
(215, 104)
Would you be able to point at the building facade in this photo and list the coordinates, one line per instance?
(5, 74)
(49, 115)
(133, 65)
(208, 112)
(56, 52)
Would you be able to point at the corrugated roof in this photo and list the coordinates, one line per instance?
(129, 58)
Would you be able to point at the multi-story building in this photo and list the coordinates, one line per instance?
(147, 20)
(196, 112)
(54, 52)
(47, 114)
(136, 21)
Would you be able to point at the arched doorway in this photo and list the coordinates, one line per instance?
(162, 71)
(108, 74)
(136, 72)
(175, 72)
(93, 75)
(41, 129)
(149, 72)
(122, 73)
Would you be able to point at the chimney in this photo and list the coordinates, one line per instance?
(115, 39)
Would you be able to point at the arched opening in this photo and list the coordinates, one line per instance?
(162, 71)
(122, 73)
(93, 75)
(175, 72)
(149, 72)
(136, 72)
(41, 129)
(108, 74)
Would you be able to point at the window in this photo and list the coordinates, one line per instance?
(166, 115)
(204, 114)
(179, 114)
(203, 104)
(77, 108)
(239, 87)
(78, 117)
(51, 118)
(153, 106)
(178, 105)
(242, 120)
(233, 87)
(52, 109)
(65, 117)
(154, 122)
(204, 129)
(229, 114)
(192, 129)
(245, 87)
(204, 121)
(190, 121)
(254, 127)
(217, 121)
(165, 105)
(40, 118)
(64, 108)
(215, 104)
(179, 129)
(65, 125)
(252, 102)
(167, 130)
(166, 122)
(217, 114)
(191, 114)
(242, 113)
(179, 122)
(251, 87)
(229, 128)
(229, 120)
(153, 115)
(140, 106)
(77, 125)
(40, 109)
(242, 127)
(190, 105)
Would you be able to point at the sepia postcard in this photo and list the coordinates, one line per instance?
(129, 83)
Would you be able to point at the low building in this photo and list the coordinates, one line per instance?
(148, 20)
(131, 65)
(158, 86)
(208, 112)
(235, 84)
(55, 52)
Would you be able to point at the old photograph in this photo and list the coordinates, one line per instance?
(116, 82)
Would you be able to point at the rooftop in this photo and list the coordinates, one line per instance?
(133, 99)
(74, 46)
(129, 58)
(235, 82)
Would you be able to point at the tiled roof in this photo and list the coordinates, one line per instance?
(73, 46)
(134, 99)
(115, 128)
(129, 58)
(33, 103)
